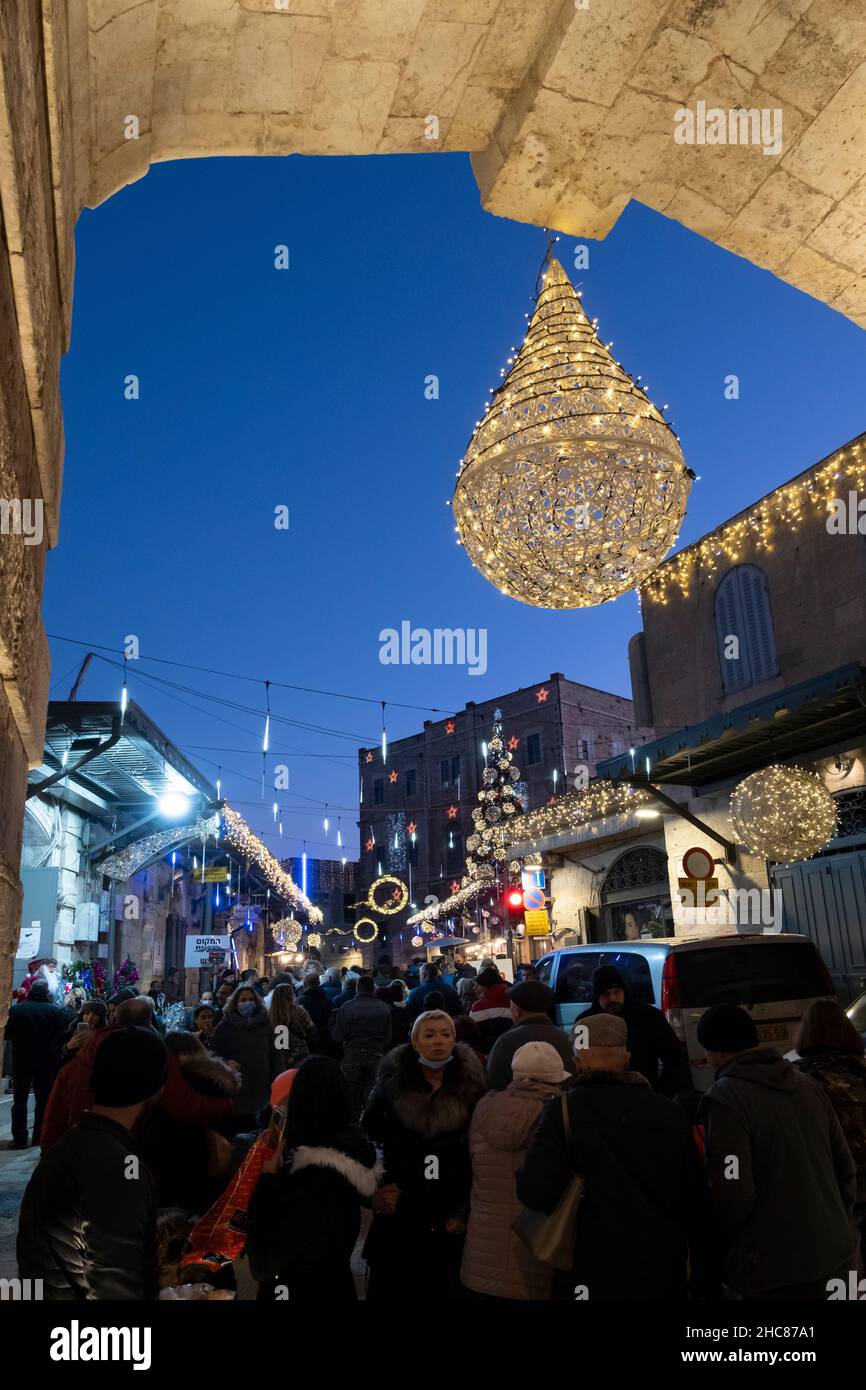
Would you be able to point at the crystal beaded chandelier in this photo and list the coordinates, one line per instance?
(573, 487)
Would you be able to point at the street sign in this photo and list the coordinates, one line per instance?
(698, 862)
(533, 899)
(532, 877)
(537, 922)
(206, 950)
(698, 892)
(218, 874)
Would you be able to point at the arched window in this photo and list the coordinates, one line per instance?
(742, 611)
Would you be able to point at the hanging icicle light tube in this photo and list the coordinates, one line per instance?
(573, 487)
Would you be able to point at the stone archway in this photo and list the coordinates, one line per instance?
(568, 108)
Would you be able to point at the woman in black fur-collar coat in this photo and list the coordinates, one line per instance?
(419, 1112)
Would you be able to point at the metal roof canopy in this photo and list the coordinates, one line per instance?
(131, 775)
(829, 710)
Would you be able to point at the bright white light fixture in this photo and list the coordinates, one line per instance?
(173, 805)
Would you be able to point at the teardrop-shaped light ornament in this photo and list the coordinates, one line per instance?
(573, 487)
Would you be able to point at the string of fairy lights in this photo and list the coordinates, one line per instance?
(809, 494)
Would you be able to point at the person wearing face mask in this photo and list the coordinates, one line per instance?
(419, 1113)
(245, 1036)
(86, 1231)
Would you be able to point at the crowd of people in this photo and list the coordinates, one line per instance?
(441, 1114)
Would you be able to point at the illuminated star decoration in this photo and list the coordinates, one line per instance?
(369, 757)
(455, 886)
(452, 814)
(393, 775)
(411, 828)
(396, 895)
(370, 843)
(513, 742)
(450, 727)
(541, 695)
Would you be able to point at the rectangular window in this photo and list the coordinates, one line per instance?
(445, 772)
(617, 747)
(379, 791)
(455, 769)
(411, 782)
(454, 857)
(412, 852)
(533, 749)
(584, 749)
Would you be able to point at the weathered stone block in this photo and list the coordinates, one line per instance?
(831, 154)
(438, 69)
(776, 220)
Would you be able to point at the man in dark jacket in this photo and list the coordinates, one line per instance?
(645, 1213)
(363, 1026)
(782, 1177)
(431, 983)
(88, 1216)
(530, 1004)
(317, 1004)
(32, 1029)
(655, 1050)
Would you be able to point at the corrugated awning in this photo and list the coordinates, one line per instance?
(829, 710)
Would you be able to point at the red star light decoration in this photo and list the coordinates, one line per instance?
(550, 800)
(369, 843)
(541, 695)
(450, 727)
(455, 886)
(393, 775)
(513, 742)
(396, 895)
(411, 828)
(452, 812)
(369, 757)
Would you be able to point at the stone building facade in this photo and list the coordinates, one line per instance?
(429, 784)
(568, 111)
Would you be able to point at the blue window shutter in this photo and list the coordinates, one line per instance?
(736, 674)
(755, 600)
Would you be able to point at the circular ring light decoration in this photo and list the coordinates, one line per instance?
(783, 813)
(374, 931)
(573, 487)
(417, 941)
(314, 940)
(393, 906)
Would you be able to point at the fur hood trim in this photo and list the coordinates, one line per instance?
(211, 1070)
(364, 1180)
(402, 1086)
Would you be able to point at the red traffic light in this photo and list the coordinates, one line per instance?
(514, 897)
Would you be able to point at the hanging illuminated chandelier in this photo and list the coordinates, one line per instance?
(573, 487)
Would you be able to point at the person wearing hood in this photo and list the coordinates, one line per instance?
(496, 1262)
(32, 1028)
(654, 1047)
(244, 1035)
(419, 1113)
(530, 1003)
(492, 1009)
(644, 1223)
(178, 1151)
(831, 1052)
(782, 1178)
(305, 1214)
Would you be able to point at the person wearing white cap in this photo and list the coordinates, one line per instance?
(644, 1224)
(496, 1263)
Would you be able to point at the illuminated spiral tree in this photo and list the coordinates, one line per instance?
(573, 486)
(499, 802)
(783, 813)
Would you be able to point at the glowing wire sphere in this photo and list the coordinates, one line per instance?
(573, 487)
(783, 813)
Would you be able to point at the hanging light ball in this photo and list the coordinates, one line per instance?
(783, 813)
(417, 941)
(573, 487)
(314, 940)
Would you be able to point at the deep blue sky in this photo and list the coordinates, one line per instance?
(306, 387)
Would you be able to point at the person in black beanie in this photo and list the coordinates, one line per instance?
(88, 1217)
(782, 1178)
(654, 1047)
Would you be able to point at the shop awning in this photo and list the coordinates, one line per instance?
(827, 712)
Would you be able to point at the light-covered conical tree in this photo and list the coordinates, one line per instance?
(498, 802)
(573, 487)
